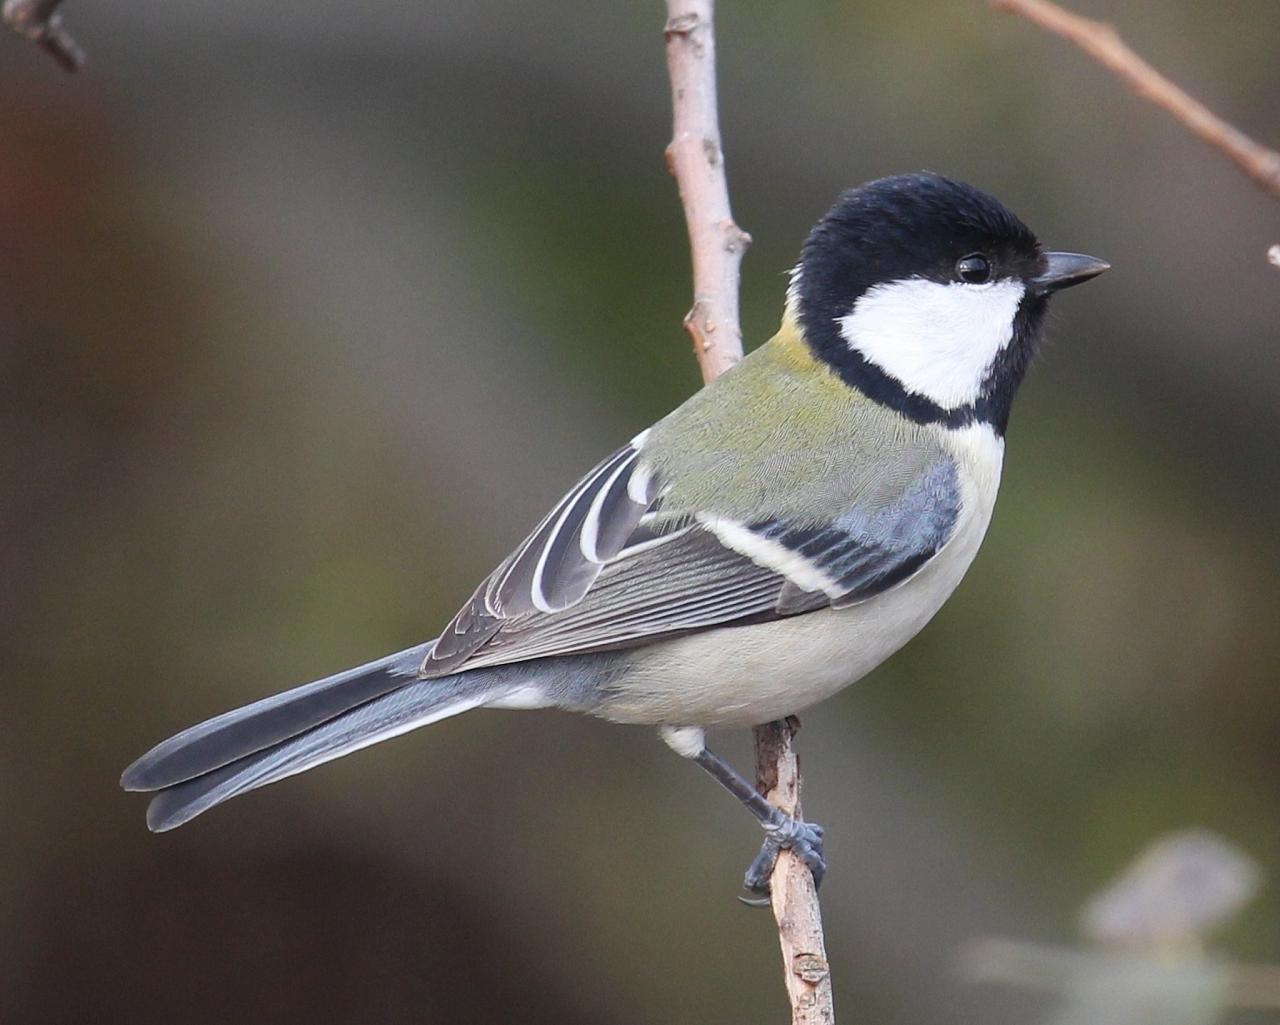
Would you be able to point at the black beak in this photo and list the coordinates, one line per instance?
(1062, 270)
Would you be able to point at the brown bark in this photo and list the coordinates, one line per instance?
(696, 159)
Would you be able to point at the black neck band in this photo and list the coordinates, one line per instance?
(994, 399)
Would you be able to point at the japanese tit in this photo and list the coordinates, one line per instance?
(769, 542)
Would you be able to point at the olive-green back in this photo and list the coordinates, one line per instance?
(781, 435)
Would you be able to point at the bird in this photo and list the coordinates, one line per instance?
(768, 543)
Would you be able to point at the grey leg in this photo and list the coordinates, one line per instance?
(780, 829)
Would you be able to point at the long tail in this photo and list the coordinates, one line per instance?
(297, 730)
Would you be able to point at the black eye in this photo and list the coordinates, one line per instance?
(973, 269)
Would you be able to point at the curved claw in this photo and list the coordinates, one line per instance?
(760, 870)
(805, 838)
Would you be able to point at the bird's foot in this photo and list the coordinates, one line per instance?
(785, 833)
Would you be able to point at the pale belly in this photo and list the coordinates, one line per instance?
(740, 676)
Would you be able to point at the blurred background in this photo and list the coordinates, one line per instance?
(309, 311)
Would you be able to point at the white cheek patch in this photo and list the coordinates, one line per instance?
(938, 340)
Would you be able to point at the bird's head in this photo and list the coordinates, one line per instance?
(928, 295)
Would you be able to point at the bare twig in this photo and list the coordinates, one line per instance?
(792, 893)
(1002, 961)
(697, 161)
(40, 22)
(717, 243)
(1148, 929)
(1101, 42)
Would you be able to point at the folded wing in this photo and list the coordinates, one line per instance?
(613, 567)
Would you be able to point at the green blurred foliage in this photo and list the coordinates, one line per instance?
(309, 313)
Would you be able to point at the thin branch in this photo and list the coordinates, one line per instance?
(696, 159)
(1101, 42)
(999, 960)
(1033, 966)
(40, 22)
(792, 893)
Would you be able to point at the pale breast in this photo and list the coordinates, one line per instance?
(736, 676)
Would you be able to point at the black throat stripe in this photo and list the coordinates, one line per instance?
(995, 399)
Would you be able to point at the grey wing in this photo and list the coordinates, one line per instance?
(676, 572)
(555, 565)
